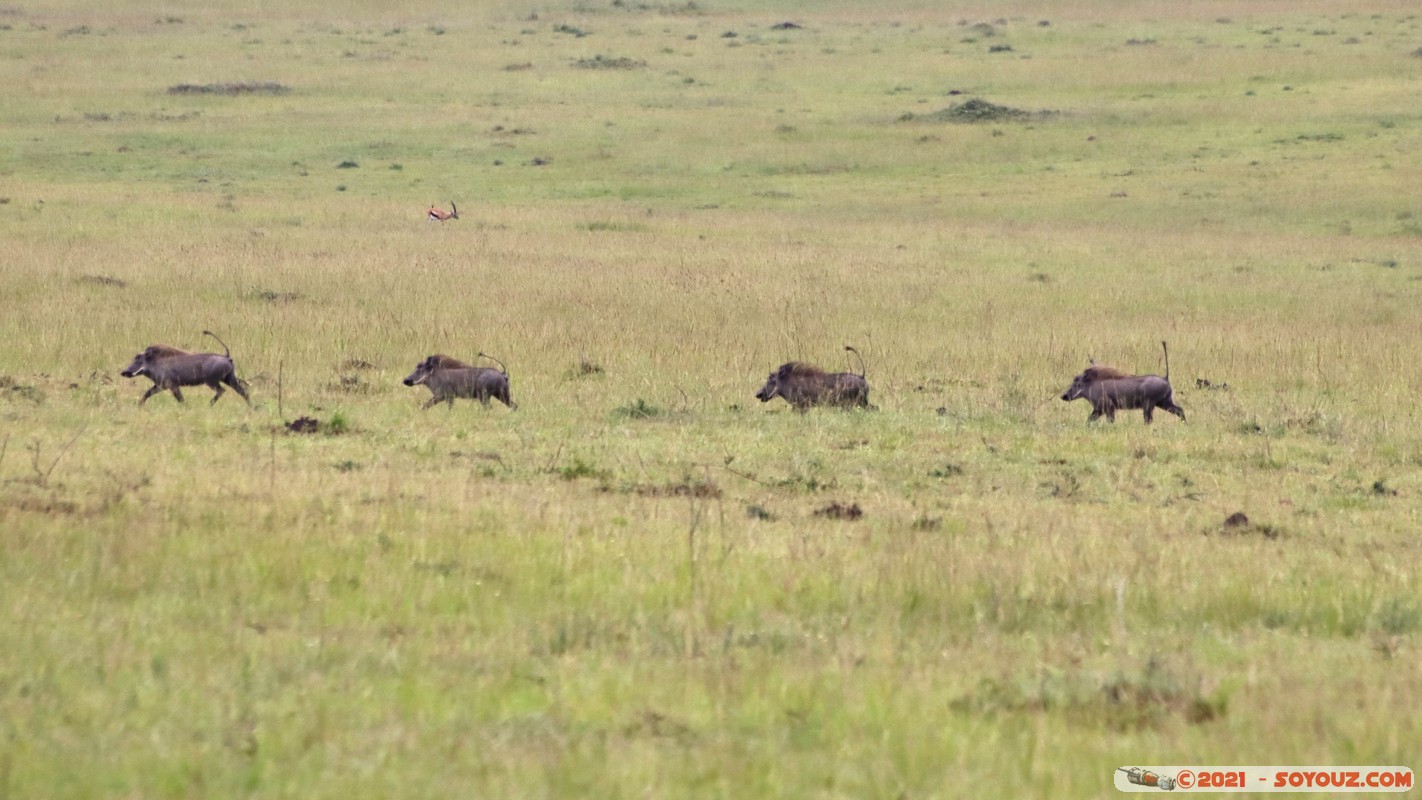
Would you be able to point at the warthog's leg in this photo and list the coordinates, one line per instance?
(178, 393)
(1095, 415)
(431, 403)
(1176, 410)
(1149, 411)
(236, 383)
(152, 390)
(216, 387)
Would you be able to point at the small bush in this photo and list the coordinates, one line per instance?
(759, 512)
(621, 227)
(578, 469)
(1122, 701)
(603, 62)
(946, 471)
(586, 367)
(272, 296)
(229, 89)
(103, 280)
(13, 390)
(840, 511)
(640, 409)
(1396, 617)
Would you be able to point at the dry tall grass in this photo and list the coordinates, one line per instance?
(643, 581)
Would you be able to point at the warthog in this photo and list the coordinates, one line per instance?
(448, 378)
(1109, 390)
(169, 368)
(804, 385)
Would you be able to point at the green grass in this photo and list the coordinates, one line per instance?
(644, 582)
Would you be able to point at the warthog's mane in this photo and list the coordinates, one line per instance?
(165, 351)
(799, 369)
(441, 361)
(1100, 372)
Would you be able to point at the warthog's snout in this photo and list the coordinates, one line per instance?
(768, 391)
(422, 371)
(135, 368)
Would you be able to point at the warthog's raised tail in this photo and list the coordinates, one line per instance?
(502, 368)
(862, 372)
(226, 352)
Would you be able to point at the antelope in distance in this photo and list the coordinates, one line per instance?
(439, 215)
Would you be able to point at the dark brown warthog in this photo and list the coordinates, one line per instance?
(448, 378)
(804, 385)
(1109, 390)
(169, 368)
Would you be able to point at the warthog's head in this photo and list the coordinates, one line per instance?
(774, 384)
(1090, 375)
(143, 362)
(421, 373)
(429, 366)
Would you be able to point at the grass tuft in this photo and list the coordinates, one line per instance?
(229, 89)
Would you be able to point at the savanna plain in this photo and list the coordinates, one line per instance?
(643, 582)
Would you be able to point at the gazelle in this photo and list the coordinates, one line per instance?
(436, 215)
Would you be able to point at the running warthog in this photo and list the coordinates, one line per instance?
(804, 385)
(448, 378)
(1109, 390)
(169, 368)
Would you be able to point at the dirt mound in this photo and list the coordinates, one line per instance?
(977, 110)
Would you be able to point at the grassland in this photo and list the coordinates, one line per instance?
(642, 582)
